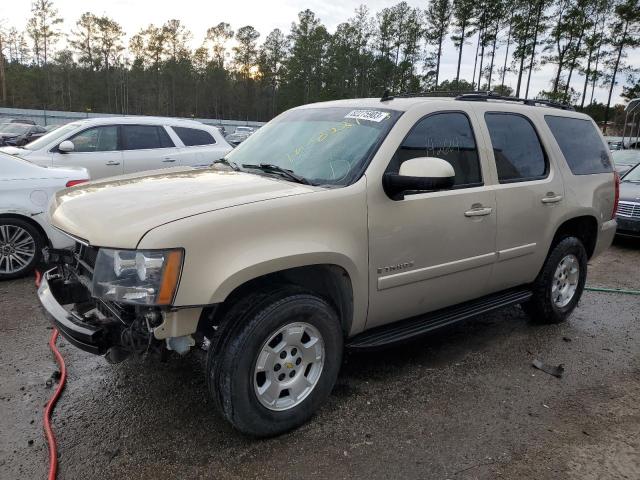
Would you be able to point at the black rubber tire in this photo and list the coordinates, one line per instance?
(540, 308)
(40, 243)
(231, 358)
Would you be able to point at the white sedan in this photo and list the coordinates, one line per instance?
(25, 191)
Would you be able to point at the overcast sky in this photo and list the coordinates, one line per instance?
(265, 15)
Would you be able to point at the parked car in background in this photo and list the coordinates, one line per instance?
(629, 206)
(614, 143)
(25, 190)
(118, 145)
(248, 130)
(18, 134)
(625, 160)
(237, 138)
(19, 120)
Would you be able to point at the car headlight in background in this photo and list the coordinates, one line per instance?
(140, 277)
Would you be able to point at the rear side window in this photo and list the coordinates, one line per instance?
(140, 137)
(447, 136)
(581, 145)
(194, 136)
(516, 148)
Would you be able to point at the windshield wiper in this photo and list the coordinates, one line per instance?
(224, 161)
(271, 168)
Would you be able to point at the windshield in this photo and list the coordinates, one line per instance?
(51, 137)
(626, 157)
(325, 146)
(632, 175)
(16, 128)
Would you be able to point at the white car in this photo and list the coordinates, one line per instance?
(25, 191)
(113, 146)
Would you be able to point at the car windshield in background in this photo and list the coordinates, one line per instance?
(633, 175)
(51, 136)
(15, 128)
(626, 157)
(325, 146)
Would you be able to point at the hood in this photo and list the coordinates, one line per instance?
(20, 152)
(117, 212)
(629, 192)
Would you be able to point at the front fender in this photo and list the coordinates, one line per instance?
(226, 248)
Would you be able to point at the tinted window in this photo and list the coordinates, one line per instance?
(138, 137)
(194, 136)
(516, 148)
(447, 136)
(97, 139)
(581, 145)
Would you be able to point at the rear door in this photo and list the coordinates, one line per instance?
(95, 149)
(530, 194)
(147, 147)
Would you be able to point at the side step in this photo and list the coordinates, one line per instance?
(413, 327)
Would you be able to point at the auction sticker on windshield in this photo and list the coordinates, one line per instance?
(369, 115)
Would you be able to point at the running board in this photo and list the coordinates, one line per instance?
(404, 330)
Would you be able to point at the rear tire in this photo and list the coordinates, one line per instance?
(21, 246)
(560, 283)
(277, 362)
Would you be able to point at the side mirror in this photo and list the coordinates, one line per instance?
(422, 174)
(66, 146)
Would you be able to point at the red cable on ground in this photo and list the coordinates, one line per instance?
(51, 439)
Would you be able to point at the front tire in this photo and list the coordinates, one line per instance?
(278, 361)
(20, 247)
(560, 283)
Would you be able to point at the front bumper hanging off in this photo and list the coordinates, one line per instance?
(53, 293)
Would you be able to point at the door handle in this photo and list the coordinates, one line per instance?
(552, 198)
(478, 211)
(112, 162)
(168, 160)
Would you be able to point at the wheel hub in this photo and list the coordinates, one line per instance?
(288, 366)
(17, 249)
(565, 281)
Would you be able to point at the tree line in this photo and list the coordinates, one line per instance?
(231, 75)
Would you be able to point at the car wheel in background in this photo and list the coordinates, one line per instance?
(20, 247)
(560, 283)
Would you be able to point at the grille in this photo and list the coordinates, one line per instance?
(629, 209)
(86, 261)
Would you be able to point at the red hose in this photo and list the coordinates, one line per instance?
(51, 439)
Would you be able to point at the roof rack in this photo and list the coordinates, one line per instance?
(534, 102)
(483, 96)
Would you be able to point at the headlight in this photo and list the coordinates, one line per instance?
(141, 277)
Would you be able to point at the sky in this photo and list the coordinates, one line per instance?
(265, 15)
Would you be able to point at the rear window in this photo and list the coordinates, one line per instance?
(194, 136)
(581, 145)
(142, 137)
(516, 148)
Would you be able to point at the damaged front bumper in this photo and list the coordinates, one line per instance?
(101, 327)
(54, 292)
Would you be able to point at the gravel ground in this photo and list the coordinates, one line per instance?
(464, 403)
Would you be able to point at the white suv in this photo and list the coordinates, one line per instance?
(118, 145)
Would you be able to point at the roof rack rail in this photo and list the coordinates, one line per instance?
(483, 96)
(534, 102)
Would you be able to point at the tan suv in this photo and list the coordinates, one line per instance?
(355, 223)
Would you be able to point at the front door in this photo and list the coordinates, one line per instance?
(432, 250)
(95, 149)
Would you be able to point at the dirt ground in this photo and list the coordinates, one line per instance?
(464, 403)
